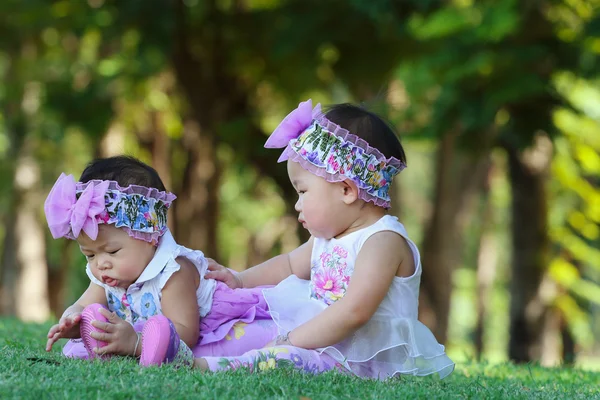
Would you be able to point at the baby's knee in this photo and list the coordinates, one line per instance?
(201, 364)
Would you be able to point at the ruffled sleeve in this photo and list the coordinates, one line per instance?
(170, 268)
(206, 288)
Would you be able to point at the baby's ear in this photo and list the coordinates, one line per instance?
(349, 191)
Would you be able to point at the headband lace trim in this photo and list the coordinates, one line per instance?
(72, 207)
(333, 153)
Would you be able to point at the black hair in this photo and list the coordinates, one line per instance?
(125, 170)
(368, 126)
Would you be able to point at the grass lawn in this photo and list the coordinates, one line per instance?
(27, 371)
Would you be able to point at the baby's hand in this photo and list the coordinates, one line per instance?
(67, 327)
(119, 335)
(220, 273)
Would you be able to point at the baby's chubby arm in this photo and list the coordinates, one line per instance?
(68, 325)
(379, 260)
(271, 272)
(179, 302)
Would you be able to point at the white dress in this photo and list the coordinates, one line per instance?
(393, 341)
(141, 300)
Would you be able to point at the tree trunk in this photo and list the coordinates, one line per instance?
(15, 129)
(486, 266)
(215, 96)
(157, 142)
(197, 206)
(58, 279)
(568, 344)
(458, 176)
(530, 245)
(161, 150)
(9, 267)
(568, 341)
(31, 294)
(551, 339)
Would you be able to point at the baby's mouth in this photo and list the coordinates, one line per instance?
(109, 281)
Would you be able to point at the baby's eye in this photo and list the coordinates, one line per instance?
(89, 256)
(301, 191)
(113, 252)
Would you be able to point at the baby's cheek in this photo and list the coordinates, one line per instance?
(96, 274)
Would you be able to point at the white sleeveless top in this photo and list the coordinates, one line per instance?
(393, 341)
(141, 300)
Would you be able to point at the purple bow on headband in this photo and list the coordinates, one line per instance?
(293, 125)
(67, 214)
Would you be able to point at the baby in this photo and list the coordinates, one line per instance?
(148, 296)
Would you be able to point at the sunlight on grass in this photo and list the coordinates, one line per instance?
(27, 371)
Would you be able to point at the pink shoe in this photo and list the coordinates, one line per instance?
(161, 344)
(89, 314)
(159, 341)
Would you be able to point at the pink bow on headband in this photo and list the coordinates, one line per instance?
(293, 125)
(67, 214)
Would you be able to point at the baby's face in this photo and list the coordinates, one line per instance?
(319, 204)
(115, 258)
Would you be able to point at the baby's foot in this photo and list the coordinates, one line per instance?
(161, 344)
(89, 314)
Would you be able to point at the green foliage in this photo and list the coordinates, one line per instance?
(575, 219)
(502, 69)
(488, 64)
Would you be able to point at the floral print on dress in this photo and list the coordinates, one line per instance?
(133, 305)
(148, 306)
(264, 360)
(238, 330)
(116, 306)
(276, 357)
(330, 277)
(127, 302)
(113, 302)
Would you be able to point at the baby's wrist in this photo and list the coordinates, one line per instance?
(137, 345)
(239, 280)
(68, 315)
(71, 311)
(283, 340)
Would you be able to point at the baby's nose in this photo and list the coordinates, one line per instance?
(103, 264)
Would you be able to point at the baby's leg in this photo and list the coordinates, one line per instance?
(161, 344)
(240, 339)
(270, 358)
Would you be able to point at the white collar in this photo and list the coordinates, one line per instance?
(164, 252)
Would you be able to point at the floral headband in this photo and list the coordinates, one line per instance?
(72, 207)
(331, 152)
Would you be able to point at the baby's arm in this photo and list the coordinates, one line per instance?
(379, 260)
(179, 302)
(68, 325)
(271, 272)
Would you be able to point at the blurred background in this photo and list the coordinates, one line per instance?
(497, 104)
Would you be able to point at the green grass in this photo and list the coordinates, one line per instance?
(27, 371)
